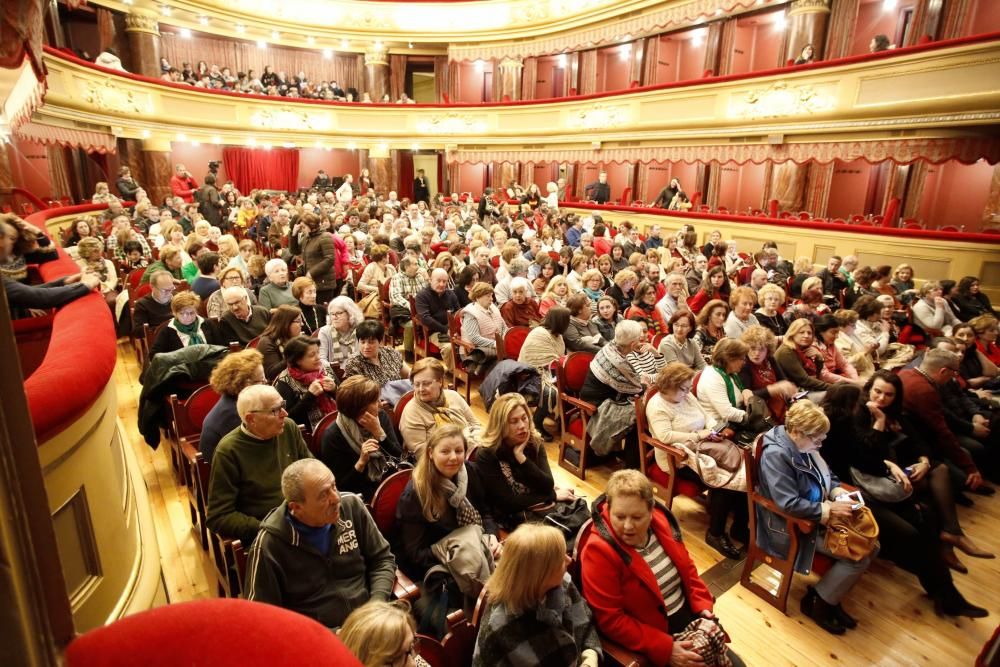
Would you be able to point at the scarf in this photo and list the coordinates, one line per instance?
(356, 436)
(654, 325)
(192, 331)
(323, 401)
(100, 268)
(810, 363)
(612, 369)
(732, 384)
(456, 491)
(762, 376)
(442, 411)
(593, 294)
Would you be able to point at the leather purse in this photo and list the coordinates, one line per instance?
(882, 488)
(853, 538)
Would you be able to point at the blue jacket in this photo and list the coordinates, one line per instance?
(785, 476)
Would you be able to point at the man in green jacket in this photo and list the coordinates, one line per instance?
(245, 482)
(319, 553)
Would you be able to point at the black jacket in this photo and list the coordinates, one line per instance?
(433, 308)
(336, 453)
(149, 311)
(599, 192)
(534, 474)
(20, 297)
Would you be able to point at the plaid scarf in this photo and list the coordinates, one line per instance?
(456, 490)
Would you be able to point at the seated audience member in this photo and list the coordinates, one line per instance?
(970, 300)
(536, 616)
(542, 346)
(319, 552)
(554, 295)
(154, 308)
(81, 229)
(432, 405)
(923, 401)
(481, 323)
(857, 353)
(170, 261)
(277, 290)
(868, 442)
(582, 335)
(645, 360)
(593, 288)
(873, 333)
(673, 300)
(382, 633)
(206, 284)
(231, 277)
(381, 363)
(522, 309)
(742, 301)
(644, 306)
(377, 271)
(795, 476)
(771, 298)
(932, 312)
(338, 341)
(444, 495)
(304, 291)
(513, 466)
(607, 317)
(835, 367)
(241, 322)
(679, 345)
(623, 288)
(643, 545)
(713, 287)
(307, 383)
(233, 374)
(676, 418)
(612, 378)
(975, 367)
(285, 324)
(711, 322)
(833, 281)
(810, 304)
(879, 43)
(91, 261)
(762, 375)
(720, 391)
(360, 446)
(186, 328)
(245, 483)
(987, 328)
(800, 360)
(433, 303)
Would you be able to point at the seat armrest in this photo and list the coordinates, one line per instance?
(621, 655)
(403, 588)
(587, 408)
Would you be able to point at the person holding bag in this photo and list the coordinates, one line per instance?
(798, 480)
(676, 418)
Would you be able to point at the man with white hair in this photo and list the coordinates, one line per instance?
(246, 469)
(518, 268)
(393, 202)
(242, 322)
(433, 303)
(319, 553)
(673, 300)
(278, 289)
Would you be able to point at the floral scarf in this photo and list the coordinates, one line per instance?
(443, 412)
(614, 370)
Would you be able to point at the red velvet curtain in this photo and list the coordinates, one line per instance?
(405, 174)
(258, 168)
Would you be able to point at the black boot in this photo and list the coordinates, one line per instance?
(722, 544)
(951, 603)
(844, 618)
(822, 612)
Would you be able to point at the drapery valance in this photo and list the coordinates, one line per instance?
(89, 140)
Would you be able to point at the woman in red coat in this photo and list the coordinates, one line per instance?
(713, 286)
(639, 579)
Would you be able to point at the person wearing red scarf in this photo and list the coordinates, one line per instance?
(799, 359)
(307, 384)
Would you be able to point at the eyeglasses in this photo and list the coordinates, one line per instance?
(275, 411)
(402, 658)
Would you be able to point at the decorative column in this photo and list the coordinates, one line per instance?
(159, 168)
(376, 72)
(383, 172)
(842, 24)
(144, 42)
(510, 78)
(807, 21)
(926, 21)
(588, 72)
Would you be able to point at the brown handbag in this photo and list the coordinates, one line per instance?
(853, 538)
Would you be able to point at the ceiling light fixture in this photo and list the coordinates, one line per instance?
(275, 35)
(240, 28)
(185, 33)
(216, 139)
(344, 44)
(261, 44)
(165, 10)
(310, 40)
(889, 5)
(327, 54)
(409, 44)
(203, 20)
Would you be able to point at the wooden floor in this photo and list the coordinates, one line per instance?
(897, 624)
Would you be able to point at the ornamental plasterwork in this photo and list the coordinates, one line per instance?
(452, 123)
(286, 118)
(809, 6)
(779, 100)
(598, 117)
(138, 21)
(108, 96)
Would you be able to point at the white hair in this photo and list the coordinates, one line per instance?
(347, 305)
(519, 283)
(274, 264)
(294, 476)
(254, 398)
(627, 332)
(228, 292)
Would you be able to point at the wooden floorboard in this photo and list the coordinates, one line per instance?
(898, 626)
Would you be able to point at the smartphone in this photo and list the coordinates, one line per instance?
(908, 470)
(798, 396)
(853, 497)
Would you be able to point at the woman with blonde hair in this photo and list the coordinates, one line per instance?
(800, 359)
(90, 251)
(856, 352)
(481, 323)
(623, 288)
(771, 298)
(536, 615)
(555, 295)
(432, 405)
(382, 633)
(229, 252)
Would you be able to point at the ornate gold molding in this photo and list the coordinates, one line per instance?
(780, 100)
(599, 117)
(809, 7)
(511, 64)
(142, 20)
(287, 118)
(376, 55)
(109, 96)
(452, 123)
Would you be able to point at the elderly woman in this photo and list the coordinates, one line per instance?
(542, 346)
(233, 374)
(810, 305)
(337, 341)
(513, 465)
(536, 616)
(231, 277)
(304, 291)
(771, 298)
(800, 360)
(307, 384)
(277, 291)
(373, 360)
(679, 344)
(711, 326)
(555, 295)
(285, 324)
(431, 406)
(90, 252)
(360, 447)
(970, 299)
(931, 312)
(623, 288)
(855, 352)
(186, 328)
(443, 495)
(873, 333)
(522, 309)
(644, 545)
(645, 360)
(593, 287)
(836, 368)
(377, 272)
(742, 301)
(382, 633)
(612, 378)
(762, 375)
(583, 335)
(677, 418)
(796, 478)
(720, 390)
(481, 322)
(644, 307)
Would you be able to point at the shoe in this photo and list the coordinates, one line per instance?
(808, 601)
(550, 424)
(966, 545)
(844, 618)
(953, 604)
(963, 500)
(951, 560)
(741, 535)
(722, 544)
(824, 614)
(984, 490)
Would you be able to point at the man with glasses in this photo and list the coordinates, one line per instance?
(923, 400)
(154, 308)
(673, 300)
(246, 469)
(241, 321)
(319, 553)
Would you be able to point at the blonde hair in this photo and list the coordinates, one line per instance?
(590, 275)
(812, 283)
(742, 294)
(374, 632)
(793, 330)
(983, 323)
(228, 247)
(624, 276)
(427, 480)
(500, 414)
(770, 289)
(758, 336)
(806, 418)
(629, 483)
(555, 282)
(182, 300)
(531, 554)
(233, 374)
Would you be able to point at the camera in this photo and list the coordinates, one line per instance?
(213, 167)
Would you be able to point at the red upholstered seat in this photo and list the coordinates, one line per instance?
(221, 633)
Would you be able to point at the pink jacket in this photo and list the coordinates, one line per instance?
(835, 367)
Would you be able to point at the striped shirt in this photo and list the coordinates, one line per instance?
(665, 573)
(645, 363)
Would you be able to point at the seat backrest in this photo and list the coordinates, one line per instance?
(397, 412)
(514, 341)
(316, 442)
(573, 371)
(134, 277)
(254, 342)
(189, 415)
(640, 411)
(386, 498)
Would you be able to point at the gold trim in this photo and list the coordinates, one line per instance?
(142, 20)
